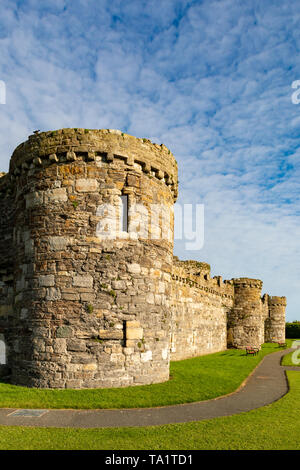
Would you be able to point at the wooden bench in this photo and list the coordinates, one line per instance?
(252, 351)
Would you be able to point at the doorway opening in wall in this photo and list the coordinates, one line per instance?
(124, 213)
(2, 351)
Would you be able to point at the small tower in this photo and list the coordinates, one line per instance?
(275, 322)
(245, 323)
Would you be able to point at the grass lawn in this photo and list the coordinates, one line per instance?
(273, 427)
(196, 379)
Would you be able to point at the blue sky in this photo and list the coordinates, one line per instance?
(209, 79)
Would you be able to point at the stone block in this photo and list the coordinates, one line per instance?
(133, 180)
(118, 285)
(70, 296)
(111, 334)
(64, 331)
(146, 356)
(134, 268)
(86, 185)
(89, 367)
(87, 297)
(130, 344)
(132, 324)
(39, 345)
(134, 333)
(46, 280)
(41, 332)
(56, 195)
(76, 345)
(118, 358)
(83, 280)
(128, 351)
(59, 346)
(58, 243)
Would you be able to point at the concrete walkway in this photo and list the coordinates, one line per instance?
(266, 384)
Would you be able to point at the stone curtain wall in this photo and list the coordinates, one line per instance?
(199, 308)
(209, 315)
(88, 311)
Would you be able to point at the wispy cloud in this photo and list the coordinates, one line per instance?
(210, 79)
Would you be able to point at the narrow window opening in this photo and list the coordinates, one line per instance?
(124, 213)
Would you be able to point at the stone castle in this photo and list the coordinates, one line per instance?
(81, 310)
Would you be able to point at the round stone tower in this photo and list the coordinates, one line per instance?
(93, 244)
(275, 322)
(245, 323)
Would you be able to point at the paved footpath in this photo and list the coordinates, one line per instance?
(266, 384)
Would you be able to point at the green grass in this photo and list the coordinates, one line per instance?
(192, 380)
(273, 427)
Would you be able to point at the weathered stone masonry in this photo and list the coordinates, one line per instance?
(78, 309)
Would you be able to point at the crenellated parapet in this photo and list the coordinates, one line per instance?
(193, 267)
(245, 284)
(275, 301)
(112, 147)
(196, 274)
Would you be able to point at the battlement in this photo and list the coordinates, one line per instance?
(197, 274)
(247, 282)
(105, 146)
(277, 301)
(192, 266)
